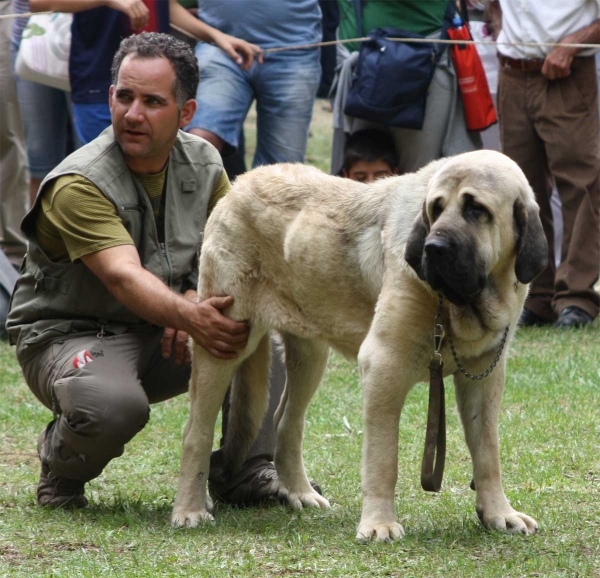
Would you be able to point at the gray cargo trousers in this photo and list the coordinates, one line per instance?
(100, 390)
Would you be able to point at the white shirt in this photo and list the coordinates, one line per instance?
(543, 21)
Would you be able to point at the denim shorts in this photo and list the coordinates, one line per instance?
(284, 88)
(47, 122)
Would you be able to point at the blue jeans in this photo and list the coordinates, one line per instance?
(47, 123)
(284, 87)
(90, 120)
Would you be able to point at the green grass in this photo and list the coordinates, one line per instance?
(550, 427)
(550, 440)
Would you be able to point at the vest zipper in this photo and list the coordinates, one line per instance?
(164, 252)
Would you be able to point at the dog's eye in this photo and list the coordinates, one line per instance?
(437, 209)
(473, 211)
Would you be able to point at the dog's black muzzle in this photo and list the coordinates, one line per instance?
(450, 265)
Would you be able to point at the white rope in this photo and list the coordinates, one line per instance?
(23, 15)
(436, 41)
(432, 40)
(365, 38)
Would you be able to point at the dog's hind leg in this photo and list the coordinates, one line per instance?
(305, 363)
(249, 401)
(210, 379)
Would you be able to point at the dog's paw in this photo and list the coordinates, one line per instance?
(512, 522)
(191, 519)
(382, 532)
(309, 499)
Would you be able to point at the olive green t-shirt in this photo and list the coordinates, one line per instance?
(76, 219)
(420, 16)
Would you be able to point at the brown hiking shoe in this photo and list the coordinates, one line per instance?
(257, 482)
(55, 492)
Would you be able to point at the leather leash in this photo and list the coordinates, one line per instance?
(434, 455)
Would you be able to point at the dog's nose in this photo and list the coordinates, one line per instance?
(437, 247)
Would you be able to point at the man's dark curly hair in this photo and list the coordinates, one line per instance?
(158, 45)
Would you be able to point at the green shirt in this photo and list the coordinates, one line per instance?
(77, 219)
(421, 16)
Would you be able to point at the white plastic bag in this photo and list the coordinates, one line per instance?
(44, 50)
(487, 53)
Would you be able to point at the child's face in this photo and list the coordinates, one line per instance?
(367, 172)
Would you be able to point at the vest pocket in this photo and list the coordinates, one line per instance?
(132, 216)
(37, 336)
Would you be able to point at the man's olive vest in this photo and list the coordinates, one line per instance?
(56, 299)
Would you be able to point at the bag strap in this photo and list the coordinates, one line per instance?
(464, 13)
(358, 14)
(451, 11)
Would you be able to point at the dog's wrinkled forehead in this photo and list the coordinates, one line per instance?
(486, 173)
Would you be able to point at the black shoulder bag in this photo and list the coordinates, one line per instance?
(392, 78)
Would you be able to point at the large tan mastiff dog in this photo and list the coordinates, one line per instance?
(328, 262)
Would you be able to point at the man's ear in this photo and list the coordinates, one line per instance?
(187, 112)
(111, 91)
(531, 244)
(413, 252)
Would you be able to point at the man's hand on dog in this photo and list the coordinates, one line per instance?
(219, 335)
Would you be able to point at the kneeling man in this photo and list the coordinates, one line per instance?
(107, 296)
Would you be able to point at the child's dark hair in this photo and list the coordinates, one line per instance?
(370, 145)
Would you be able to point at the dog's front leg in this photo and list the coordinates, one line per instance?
(479, 406)
(383, 396)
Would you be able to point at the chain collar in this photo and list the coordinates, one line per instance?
(438, 335)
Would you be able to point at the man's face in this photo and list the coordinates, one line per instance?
(145, 115)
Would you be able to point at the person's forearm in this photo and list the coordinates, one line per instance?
(588, 35)
(183, 19)
(65, 5)
(121, 271)
(149, 298)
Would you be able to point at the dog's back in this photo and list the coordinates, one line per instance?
(288, 236)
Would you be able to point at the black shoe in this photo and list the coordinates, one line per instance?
(54, 492)
(573, 316)
(257, 482)
(530, 319)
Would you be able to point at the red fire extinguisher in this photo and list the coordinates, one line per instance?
(477, 100)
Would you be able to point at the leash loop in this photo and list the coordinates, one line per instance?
(438, 337)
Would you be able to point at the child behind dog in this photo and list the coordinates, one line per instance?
(369, 154)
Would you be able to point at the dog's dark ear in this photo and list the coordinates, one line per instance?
(531, 243)
(413, 253)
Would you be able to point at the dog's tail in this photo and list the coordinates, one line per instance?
(248, 403)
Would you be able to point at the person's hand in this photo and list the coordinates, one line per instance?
(558, 63)
(175, 341)
(136, 10)
(220, 336)
(240, 51)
